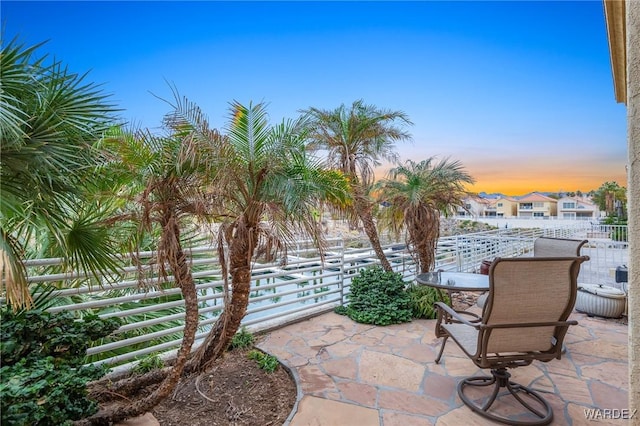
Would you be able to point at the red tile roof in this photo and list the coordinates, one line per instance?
(535, 196)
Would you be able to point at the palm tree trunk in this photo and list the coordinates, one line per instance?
(181, 269)
(240, 254)
(363, 210)
(424, 231)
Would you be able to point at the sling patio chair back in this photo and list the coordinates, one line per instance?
(525, 319)
(554, 247)
(548, 247)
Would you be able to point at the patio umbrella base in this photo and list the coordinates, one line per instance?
(498, 380)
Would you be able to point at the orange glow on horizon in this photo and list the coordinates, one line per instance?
(527, 185)
(520, 180)
(545, 178)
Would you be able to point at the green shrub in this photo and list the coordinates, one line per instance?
(44, 379)
(614, 220)
(422, 299)
(268, 363)
(242, 339)
(619, 234)
(148, 363)
(340, 310)
(378, 297)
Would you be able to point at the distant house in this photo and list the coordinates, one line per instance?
(536, 205)
(504, 207)
(490, 210)
(473, 207)
(577, 208)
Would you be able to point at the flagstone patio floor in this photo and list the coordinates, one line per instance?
(358, 374)
(351, 374)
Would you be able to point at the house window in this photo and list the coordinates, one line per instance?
(538, 214)
(499, 204)
(538, 205)
(568, 205)
(526, 206)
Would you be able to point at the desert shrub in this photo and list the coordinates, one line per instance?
(378, 297)
(242, 339)
(422, 299)
(267, 362)
(44, 379)
(149, 363)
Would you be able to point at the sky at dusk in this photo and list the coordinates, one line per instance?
(520, 92)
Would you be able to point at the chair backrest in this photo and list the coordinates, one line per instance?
(523, 294)
(557, 247)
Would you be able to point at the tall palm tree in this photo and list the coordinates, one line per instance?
(50, 122)
(164, 179)
(417, 193)
(264, 195)
(357, 139)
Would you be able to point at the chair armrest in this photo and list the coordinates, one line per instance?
(533, 324)
(451, 314)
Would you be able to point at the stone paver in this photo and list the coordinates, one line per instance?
(346, 368)
(440, 387)
(314, 411)
(411, 403)
(400, 419)
(358, 393)
(390, 370)
(356, 374)
(605, 395)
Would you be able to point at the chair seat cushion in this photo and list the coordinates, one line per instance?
(464, 335)
(482, 300)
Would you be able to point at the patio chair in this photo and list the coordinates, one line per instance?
(548, 247)
(525, 319)
(552, 247)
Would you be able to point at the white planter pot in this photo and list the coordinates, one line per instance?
(600, 300)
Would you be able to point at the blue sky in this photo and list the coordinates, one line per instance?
(520, 92)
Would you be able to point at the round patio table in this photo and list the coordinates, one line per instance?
(454, 281)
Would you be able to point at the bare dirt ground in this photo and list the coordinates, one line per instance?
(236, 392)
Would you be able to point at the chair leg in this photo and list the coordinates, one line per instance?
(499, 379)
(444, 341)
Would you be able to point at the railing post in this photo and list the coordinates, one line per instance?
(341, 276)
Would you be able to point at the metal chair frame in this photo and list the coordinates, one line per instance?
(489, 343)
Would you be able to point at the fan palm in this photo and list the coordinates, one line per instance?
(263, 196)
(357, 139)
(50, 121)
(417, 193)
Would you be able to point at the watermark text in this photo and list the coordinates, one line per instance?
(609, 413)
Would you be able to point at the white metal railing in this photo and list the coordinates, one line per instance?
(153, 314)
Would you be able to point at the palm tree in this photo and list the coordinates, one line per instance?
(50, 122)
(164, 178)
(611, 198)
(356, 139)
(417, 194)
(264, 195)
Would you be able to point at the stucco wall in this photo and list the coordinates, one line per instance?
(633, 133)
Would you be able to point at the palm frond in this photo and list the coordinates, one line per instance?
(13, 278)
